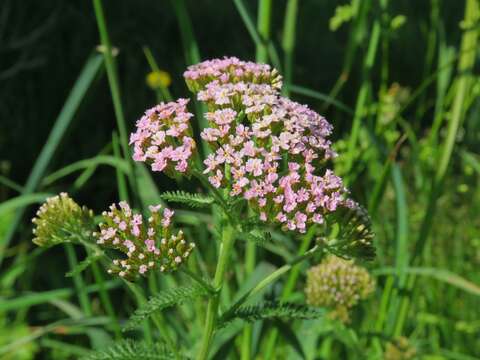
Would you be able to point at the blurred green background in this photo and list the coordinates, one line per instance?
(422, 193)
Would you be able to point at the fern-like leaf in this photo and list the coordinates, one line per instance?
(192, 200)
(260, 238)
(271, 309)
(82, 265)
(164, 300)
(132, 350)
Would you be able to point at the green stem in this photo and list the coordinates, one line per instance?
(105, 298)
(159, 323)
(121, 183)
(287, 291)
(113, 81)
(272, 277)
(164, 92)
(263, 26)
(288, 41)
(78, 281)
(360, 106)
(199, 280)
(228, 239)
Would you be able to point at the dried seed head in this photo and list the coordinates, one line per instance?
(399, 349)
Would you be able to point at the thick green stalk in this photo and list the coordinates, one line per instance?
(228, 238)
(263, 26)
(465, 65)
(288, 42)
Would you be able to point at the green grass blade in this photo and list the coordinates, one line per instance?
(21, 201)
(10, 184)
(117, 163)
(63, 121)
(464, 83)
(442, 275)
(263, 26)
(288, 42)
(250, 25)
(78, 281)
(320, 96)
(121, 182)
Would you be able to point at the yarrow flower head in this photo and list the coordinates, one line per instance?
(59, 220)
(147, 243)
(164, 139)
(338, 284)
(230, 70)
(266, 149)
(253, 130)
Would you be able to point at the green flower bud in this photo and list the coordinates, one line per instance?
(399, 349)
(338, 284)
(60, 220)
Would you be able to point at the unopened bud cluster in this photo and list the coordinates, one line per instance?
(338, 284)
(147, 243)
(59, 220)
(399, 349)
(230, 70)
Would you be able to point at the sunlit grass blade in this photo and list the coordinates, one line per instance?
(442, 275)
(464, 83)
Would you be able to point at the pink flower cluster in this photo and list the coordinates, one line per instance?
(146, 244)
(230, 70)
(267, 149)
(163, 137)
(253, 131)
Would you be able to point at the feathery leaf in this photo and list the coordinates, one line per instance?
(164, 299)
(192, 200)
(132, 350)
(272, 309)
